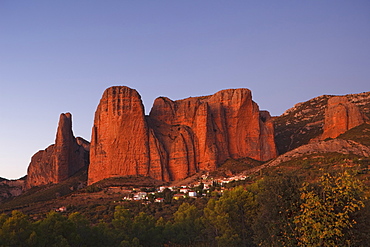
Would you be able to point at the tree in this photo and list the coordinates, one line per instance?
(326, 215)
(186, 227)
(229, 218)
(278, 200)
(167, 195)
(15, 230)
(145, 230)
(53, 230)
(122, 223)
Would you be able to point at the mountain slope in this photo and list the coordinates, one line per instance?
(305, 121)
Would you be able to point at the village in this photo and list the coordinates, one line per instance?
(203, 185)
(201, 188)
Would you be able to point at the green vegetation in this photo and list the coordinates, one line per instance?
(129, 181)
(230, 218)
(232, 166)
(277, 210)
(358, 134)
(278, 199)
(46, 192)
(325, 218)
(312, 166)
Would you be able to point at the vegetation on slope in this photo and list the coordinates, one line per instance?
(360, 134)
(46, 192)
(278, 210)
(231, 167)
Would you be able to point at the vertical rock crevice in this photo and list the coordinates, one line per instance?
(178, 138)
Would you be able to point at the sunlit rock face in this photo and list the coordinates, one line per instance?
(178, 138)
(120, 140)
(60, 160)
(340, 116)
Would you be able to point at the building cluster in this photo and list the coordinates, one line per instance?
(200, 188)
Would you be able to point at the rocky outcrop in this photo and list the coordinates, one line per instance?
(10, 188)
(178, 138)
(330, 146)
(340, 116)
(304, 123)
(60, 160)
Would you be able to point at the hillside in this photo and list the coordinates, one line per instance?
(305, 121)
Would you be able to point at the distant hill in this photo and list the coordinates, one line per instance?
(305, 121)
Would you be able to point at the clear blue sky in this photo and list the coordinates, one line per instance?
(59, 56)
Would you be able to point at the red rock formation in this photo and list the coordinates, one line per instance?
(340, 116)
(119, 142)
(178, 138)
(60, 160)
(226, 124)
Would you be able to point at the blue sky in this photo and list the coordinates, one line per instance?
(59, 56)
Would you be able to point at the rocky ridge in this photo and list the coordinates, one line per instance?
(329, 146)
(305, 121)
(178, 138)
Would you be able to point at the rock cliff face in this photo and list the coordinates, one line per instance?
(340, 116)
(304, 123)
(60, 160)
(178, 138)
(119, 141)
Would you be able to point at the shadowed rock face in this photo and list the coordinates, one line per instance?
(60, 160)
(178, 138)
(340, 116)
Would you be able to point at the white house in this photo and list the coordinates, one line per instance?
(61, 209)
(192, 194)
(184, 190)
(159, 200)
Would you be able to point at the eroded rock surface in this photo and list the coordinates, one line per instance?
(178, 138)
(60, 160)
(340, 116)
(120, 140)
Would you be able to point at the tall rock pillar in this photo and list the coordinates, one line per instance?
(119, 141)
(61, 160)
